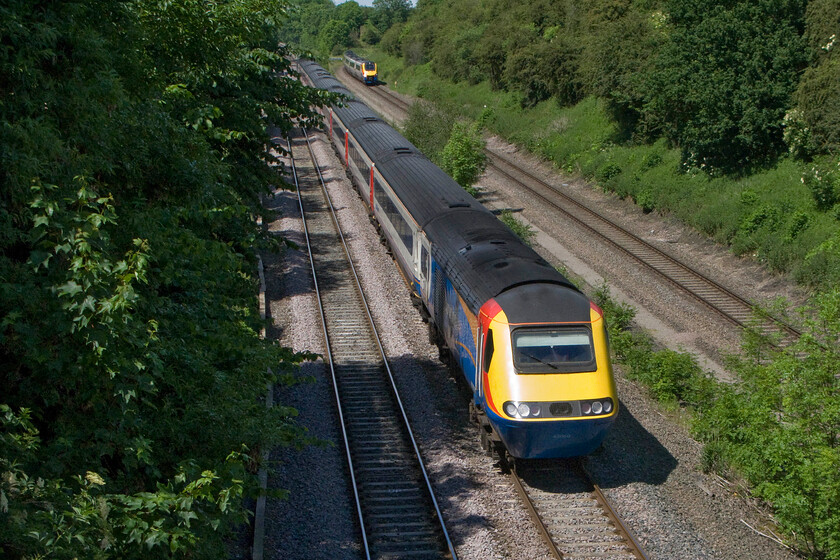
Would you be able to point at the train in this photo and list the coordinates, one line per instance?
(360, 68)
(531, 346)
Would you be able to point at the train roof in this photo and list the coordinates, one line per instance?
(483, 255)
(323, 79)
(479, 253)
(353, 56)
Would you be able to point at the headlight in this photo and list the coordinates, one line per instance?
(593, 407)
(510, 409)
(596, 407)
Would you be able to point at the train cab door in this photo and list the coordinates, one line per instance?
(423, 267)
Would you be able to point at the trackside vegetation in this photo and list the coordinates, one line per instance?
(134, 149)
(740, 142)
(778, 427)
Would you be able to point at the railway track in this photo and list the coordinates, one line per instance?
(721, 300)
(397, 510)
(570, 511)
(567, 507)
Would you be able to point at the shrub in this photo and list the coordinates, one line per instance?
(824, 183)
(608, 171)
(525, 232)
(370, 34)
(725, 119)
(645, 200)
(463, 155)
(428, 127)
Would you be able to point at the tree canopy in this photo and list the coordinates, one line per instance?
(134, 148)
(716, 79)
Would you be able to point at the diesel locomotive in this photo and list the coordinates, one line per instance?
(531, 346)
(360, 68)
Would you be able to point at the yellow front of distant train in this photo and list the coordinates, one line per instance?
(360, 68)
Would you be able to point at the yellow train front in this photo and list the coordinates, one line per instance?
(546, 387)
(360, 68)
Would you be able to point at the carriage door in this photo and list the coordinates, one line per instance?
(423, 266)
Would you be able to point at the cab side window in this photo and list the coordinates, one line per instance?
(488, 349)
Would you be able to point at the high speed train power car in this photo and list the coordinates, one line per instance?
(532, 347)
(360, 68)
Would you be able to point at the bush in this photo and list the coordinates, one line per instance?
(817, 97)
(463, 155)
(824, 183)
(370, 34)
(608, 171)
(428, 127)
(779, 425)
(525, 232)
(391, 41)
(133, 375)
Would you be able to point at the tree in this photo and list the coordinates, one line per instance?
(780, 426)
(388, 12)
(818, 98)
(722, 83)
(134, 148)
(463, 155)
(352, 14)
(333, 36)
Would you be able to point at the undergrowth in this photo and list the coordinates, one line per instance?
(778, 427)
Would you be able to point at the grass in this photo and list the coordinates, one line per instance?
(770, 215)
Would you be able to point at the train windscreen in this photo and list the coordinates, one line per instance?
(549, 350)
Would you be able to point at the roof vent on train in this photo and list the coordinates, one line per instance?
(502, 264)
(459, 205)
(402, 149)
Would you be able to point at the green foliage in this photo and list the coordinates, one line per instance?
(429, 127)
(463, 155)
(391, 41)
(797, 135)
(608, 171)
(817, 98)
(333, 37)
(823, 180)
(135, 148)
(370, 34)
(386, 13)
(723, 80)
(322, 28)
(778, 426)
(525, 232)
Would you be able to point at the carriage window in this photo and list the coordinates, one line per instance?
(392, 213)
(550, 350)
